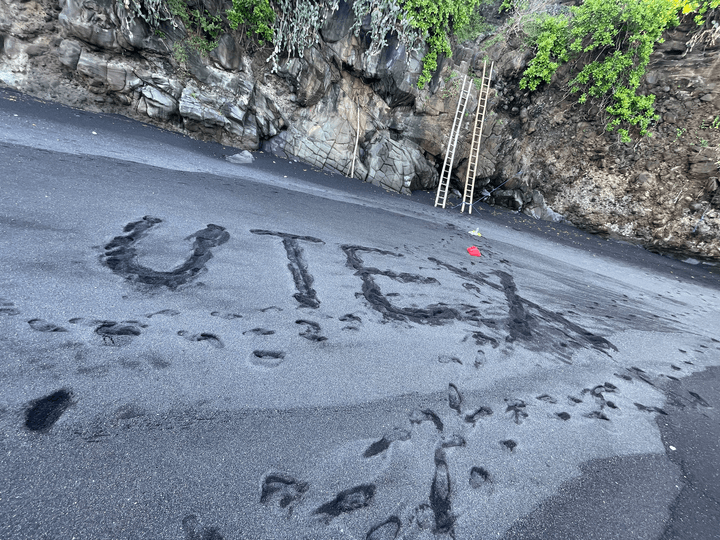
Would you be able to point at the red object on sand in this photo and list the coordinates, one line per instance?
(475, 252)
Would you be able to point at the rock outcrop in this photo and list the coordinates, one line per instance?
(340, 110)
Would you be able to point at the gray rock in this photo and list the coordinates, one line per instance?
(233, 111)
(267, 115)
(197, 67)
(197, 107)
(68, 53)
(36, 49)
(338, 25)
(227, 53)
(251, 136)
(158, 104)
(166, 84)
(703, 168)
(644, 177)
(116, 76)
(398, 74)
(91, 24)
(13, 47)
(135, 34)
(277, 145)
(243, 158)
(92, 66)
(310, 76)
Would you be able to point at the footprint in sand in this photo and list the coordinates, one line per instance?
(42, 413)
(211, 339)
(267, 359)
(41, 325)
(8, 308)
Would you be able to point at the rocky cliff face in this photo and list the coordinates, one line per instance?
(542, 153)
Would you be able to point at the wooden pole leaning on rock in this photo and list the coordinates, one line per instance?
(476, 138)
(357, 139)
(444, 184)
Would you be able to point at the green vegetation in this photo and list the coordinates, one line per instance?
(203, 28)
(436, 19)
(452, 85)
(613, 41)
(610, 40)
(256, 14)
(419, 22)
(292, 26)
(475, 26)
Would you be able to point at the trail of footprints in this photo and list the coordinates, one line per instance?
(284, 491)
(436, 514)
(120, 333)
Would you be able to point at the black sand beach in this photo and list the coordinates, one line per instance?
(192, 349)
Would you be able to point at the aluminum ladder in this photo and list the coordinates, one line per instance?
(476, 138)
(444, 185)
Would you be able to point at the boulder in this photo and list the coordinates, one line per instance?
(242, 158)
(227, 53)
(117, 74)
(89, 22)
(196, 107)
(36, 49)
(157, 104)
(13, 47)
(398, 166)
(68, 53)
(93, 67)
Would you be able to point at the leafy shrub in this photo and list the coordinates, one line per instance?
(290, 25)
(415, 23)
(203, 28)
(475, 26)
(437, 19)
(550, 38)
(617, 38)
(257, 14)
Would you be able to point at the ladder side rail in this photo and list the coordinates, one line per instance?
(472, 162)
(450, 142)
(482, 124)
(474, 145)
(452, 158)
